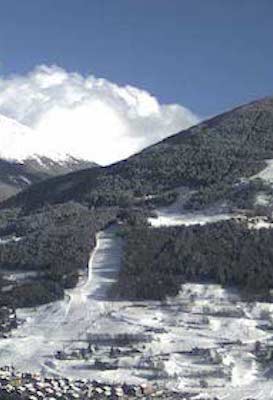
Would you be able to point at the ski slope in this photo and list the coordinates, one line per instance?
(49, 328)
(205, 334)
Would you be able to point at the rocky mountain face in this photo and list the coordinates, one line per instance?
(212, 159)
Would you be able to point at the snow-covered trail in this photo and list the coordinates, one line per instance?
(52, 327)
(166, 218)
(175, 215)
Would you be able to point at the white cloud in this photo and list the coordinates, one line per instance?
(88, 117)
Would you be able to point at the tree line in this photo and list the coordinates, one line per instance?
(157, 261)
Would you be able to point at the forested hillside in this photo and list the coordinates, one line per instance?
(158, 261)
(209, 158)
(57, 235)
(55, 243)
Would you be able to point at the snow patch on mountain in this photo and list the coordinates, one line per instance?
(267, 173)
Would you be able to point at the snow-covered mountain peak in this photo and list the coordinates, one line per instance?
(16, 140)
(26, 159)
(20, 143)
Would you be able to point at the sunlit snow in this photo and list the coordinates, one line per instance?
(205, 334)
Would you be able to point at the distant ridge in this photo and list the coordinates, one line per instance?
(19, 167)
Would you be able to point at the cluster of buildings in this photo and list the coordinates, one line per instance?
(254, 222)
(7, 320)
(26, 386)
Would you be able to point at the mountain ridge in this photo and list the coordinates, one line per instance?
(20, 166)
(213, 155)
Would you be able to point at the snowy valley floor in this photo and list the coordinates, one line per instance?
(202, 341)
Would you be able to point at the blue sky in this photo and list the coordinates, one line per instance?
(208, 55)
